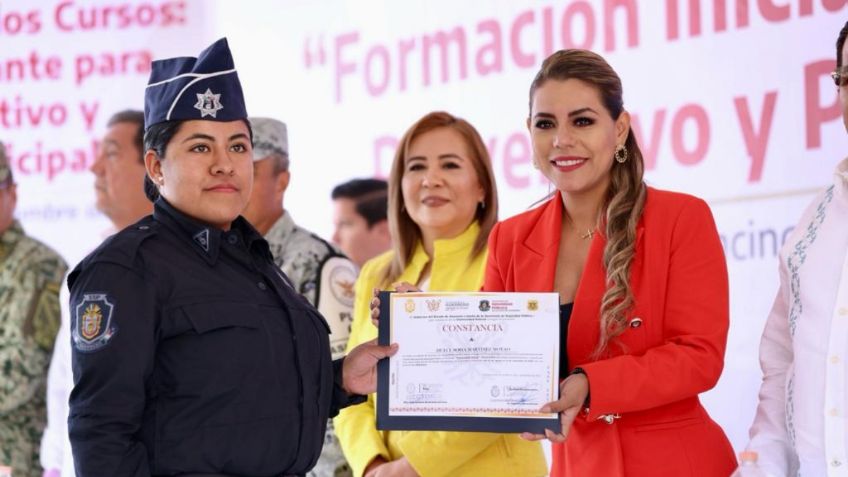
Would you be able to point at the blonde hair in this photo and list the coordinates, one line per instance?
(405, 233)
(625, 198)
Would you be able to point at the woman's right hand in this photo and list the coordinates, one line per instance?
(574, 391)
(402, 287)
(395, 468)
(371, 468)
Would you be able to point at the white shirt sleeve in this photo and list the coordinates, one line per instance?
(55, 442)
(769, 434)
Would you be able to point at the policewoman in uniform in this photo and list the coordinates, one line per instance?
(192, 354)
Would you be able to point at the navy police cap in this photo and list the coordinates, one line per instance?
(206, 87)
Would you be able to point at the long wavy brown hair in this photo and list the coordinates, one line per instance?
(625, 197)
(405, 233)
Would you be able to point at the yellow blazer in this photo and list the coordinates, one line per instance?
(431, 453)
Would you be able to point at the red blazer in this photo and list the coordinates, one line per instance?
(672, 352)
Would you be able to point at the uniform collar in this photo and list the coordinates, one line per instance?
(204, 239)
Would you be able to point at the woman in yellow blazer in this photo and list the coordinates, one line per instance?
(442, 205)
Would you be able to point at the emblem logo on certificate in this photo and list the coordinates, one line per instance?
(483, 362)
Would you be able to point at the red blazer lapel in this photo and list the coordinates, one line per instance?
(584, 325)
(537, 264)
(583, 330)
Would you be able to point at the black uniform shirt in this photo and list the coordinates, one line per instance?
(193, 354)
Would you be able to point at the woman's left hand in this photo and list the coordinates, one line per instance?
(359, 370)
(395, 468)
(400, 287)
(573, 392)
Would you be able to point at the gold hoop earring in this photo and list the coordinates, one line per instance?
(620, 154)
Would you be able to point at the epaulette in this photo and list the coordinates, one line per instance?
(120, 248)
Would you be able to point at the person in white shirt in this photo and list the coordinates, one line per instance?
(801, 424)
(119, 186)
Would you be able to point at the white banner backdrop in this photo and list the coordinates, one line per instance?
(731, 98)
(65, 68)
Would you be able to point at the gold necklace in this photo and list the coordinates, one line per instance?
(590, 232)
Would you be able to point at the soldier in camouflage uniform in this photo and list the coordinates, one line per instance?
(30, 277)
(318, 270)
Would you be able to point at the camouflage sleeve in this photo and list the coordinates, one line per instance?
(302, 264)
(31, 319)
(325, 278)
(307, 288)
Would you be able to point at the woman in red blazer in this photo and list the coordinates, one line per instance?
(645, 274)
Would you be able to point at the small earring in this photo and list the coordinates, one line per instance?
(483, 204)
(535, 164)
(620, 154)
(161, 180)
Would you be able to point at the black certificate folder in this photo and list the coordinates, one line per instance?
(387, 421)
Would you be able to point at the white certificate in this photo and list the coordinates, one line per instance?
(490, 360)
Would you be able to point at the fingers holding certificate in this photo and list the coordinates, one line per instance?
(574, 392)
(469, 362)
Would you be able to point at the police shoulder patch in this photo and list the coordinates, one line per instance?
(93, 326)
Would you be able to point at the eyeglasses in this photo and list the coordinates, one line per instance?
(840, 76)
